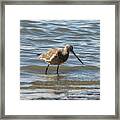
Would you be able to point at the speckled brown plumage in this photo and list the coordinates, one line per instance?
(57, 56)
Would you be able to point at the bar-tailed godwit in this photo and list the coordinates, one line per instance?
(57, 56)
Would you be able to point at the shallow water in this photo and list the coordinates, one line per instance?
(75, 81)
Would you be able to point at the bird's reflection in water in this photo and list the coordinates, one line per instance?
(60, 87)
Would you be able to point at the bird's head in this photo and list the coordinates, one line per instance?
(69, 48)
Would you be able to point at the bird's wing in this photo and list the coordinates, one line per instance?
(51, 53)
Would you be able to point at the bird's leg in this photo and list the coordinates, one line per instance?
(46, 69)
(57, 69)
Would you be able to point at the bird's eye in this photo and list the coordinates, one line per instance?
(71, 48)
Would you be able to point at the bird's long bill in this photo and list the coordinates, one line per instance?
(77, 57)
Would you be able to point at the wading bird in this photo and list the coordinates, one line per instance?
(57, 56)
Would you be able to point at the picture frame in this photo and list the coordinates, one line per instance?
(70, 2)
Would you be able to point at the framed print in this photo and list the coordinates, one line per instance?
(60, 59)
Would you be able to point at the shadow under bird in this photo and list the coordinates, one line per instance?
(57, 56)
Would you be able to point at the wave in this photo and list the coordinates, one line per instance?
(63, 84)
(64, 68)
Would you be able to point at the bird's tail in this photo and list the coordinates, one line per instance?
(38, 54)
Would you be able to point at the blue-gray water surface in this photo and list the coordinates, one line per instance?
(75, 81)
